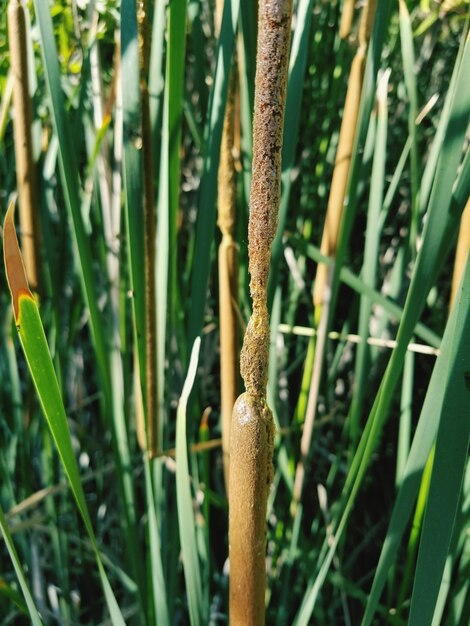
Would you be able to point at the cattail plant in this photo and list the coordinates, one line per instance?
(252, 434)
(228, 268)
(25, 167)
(334, 212)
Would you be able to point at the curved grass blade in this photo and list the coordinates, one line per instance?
(33, 612)
(186, 520)
(422, 443)
(447, 474)
(33, 341)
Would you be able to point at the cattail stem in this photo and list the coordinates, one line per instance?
(252, 433)
(22, 121)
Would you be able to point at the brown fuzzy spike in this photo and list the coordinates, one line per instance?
(252, 433)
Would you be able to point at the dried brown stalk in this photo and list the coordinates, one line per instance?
(25, 167)
(228, 279)
(149, 240)
(462, 251)
(344, 151)
(252, 433)
(347, 16)
(228, 268)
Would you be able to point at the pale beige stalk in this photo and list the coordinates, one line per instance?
(347, 134)
(25, 167)
(228, 268)
(322, 285)
(461, 253)
(252, 433)
(347, 16)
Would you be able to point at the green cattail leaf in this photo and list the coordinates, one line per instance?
(456, 334)
(448, 469)
(36, 351)
(186, 520)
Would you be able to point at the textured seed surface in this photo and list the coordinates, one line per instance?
(252, 432)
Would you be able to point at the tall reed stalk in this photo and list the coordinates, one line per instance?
(252, 434)
(347, 16)
(22, 121)
(228, 268)
(322, 285)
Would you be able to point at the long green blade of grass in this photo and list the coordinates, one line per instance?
(36, 351)
(132, 170)
(423, 439)
(33, 612)
(447, 472)
(186, 520)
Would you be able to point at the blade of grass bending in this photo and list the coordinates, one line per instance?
(186, 520)
(422, 443)
(297, 64)
(447, 473)
(33, 612)
(440, 223)
(205, 224)
(33, 341)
